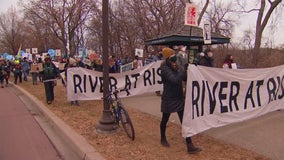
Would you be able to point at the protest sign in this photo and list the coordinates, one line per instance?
(85, 84)
(34, 68)
(217, 97)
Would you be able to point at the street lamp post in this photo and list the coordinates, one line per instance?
(106, 123)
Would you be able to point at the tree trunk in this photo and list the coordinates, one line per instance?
(260, 25)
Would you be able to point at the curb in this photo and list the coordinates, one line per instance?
(77, 142)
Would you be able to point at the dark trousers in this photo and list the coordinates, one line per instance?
(26, 72)
(49, 92)
(163, 124)
(18, 75)
(34, 77)
(7, 79)
(1, 80)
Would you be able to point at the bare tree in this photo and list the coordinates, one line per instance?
(221, 18)
(248, 39)
(133, 22)
(11, 35)
(264, 12)
(63, 17)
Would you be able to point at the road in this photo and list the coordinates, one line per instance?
(25, 133)
(21, 137)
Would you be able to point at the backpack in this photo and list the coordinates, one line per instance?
(48, 70)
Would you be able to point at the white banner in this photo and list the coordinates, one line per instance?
(84, 84)
(217, 97)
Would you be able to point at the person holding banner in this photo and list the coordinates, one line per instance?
(229, 62)
(173, 96)
(206, 58)
(71, 62)
(50, 73)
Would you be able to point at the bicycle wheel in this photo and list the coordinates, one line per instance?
(115, 116)
(126, 123)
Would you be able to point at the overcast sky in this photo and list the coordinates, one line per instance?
(6, 4)
(245, 23)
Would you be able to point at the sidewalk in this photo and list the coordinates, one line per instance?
(263, 135)
(66, 143)
(21, 137)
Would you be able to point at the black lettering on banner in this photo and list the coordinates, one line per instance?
(136, 76)
(233, 95)
(274, 87)
(212, 98)
(282, 88)
(223, 96)
(159, 72)
(154, 76)
(271, 89)
(278, 86)
(202, 98)
(199, 93)
(249, 96)
(147, 77)
(93, 85)
(195, 98)
(258, 84)
(101, 84)
(77, 80)
(127, 82)
(85, 83)
(112, 83)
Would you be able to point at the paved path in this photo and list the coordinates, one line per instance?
(21, 138)
(264, 135)
(29, 125)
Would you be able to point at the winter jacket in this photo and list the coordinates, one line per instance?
(49, 71)
(172, 97)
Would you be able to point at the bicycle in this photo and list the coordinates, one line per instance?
(119, 113)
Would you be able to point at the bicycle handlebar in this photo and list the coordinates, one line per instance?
(126, 90)
(117, 91)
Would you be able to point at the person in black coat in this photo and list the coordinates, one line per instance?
(206, 58)
(50, 73)
(173, 96)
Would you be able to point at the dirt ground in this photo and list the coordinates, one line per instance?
(146, 146)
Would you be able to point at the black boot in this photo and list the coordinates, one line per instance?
(191, 149)
(164, 142)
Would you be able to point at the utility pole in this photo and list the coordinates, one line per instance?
(106, 123)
